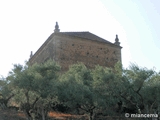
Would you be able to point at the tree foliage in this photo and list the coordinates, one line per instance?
(35, 87)
(106, 91)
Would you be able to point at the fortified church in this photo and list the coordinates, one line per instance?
(68, 48)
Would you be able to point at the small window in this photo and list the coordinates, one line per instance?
(107, 59)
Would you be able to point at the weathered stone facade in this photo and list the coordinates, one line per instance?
(68, 48)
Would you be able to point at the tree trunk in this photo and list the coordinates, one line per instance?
(91, 115)
(28, 115)
(90, 111)
(43, 114)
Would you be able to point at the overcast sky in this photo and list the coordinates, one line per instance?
(26, 24)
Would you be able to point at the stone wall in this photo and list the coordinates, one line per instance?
(71, 50)
(68, 50)
(45, 52)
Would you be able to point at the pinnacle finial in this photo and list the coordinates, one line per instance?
(56, 28)
(117, 40)
(31, 54)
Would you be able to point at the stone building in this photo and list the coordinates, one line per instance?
(68, 48)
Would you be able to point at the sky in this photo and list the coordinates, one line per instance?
(26, 24)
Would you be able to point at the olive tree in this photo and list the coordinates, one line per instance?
(35, 87)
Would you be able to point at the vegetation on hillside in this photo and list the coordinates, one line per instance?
(101, 91)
